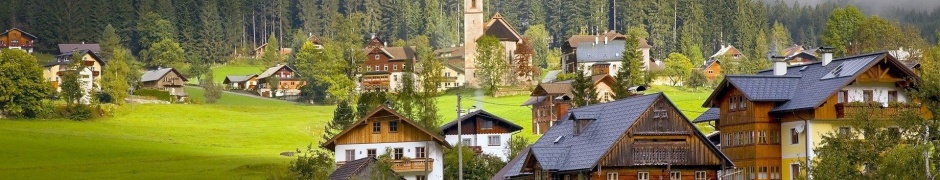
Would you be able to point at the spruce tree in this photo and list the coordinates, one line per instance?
(583, 90)
(213, 89)
(343, 116)
(109, 42)
(630, 73)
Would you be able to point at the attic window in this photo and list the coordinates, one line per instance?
(803, 68)
(558, 139)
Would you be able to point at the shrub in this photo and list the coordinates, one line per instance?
(161, 95)
(79, 112)
(103, 97)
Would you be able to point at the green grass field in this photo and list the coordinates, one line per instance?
(237, 138)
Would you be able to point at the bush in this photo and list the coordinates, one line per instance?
(103, 97)
(161, 95)
(78, 112)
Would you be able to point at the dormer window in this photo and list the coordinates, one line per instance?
(580, 124)
(487, 125)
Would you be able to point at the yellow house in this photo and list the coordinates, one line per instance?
(52, 71)
(771, 122)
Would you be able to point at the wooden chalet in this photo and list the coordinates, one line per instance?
(641, 137)
(288, 79)
(416, 152)
(241, 82)
(17, 39)
(384, 66)
(712, 66)
(165, 79)
(771, 121)
(600, 52)
(550, 101)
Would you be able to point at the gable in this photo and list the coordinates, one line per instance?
(883, 71)
(502, 31)
(361, 131)
(473, 122)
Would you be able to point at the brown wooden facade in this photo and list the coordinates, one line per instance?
(16, 38)
(475, 126)
(363, 130)
(749, 136)
(171, 81)
(712, 71)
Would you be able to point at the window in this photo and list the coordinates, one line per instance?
(447, 74)
(421, 177)
(762, 137)
(376, 57)
(675, 175)
(743, 102)
(775, 173)
(421, 152)
(368, 68)
(473, 4)
(487, 125)
(467, 142)
(711, 72)
(376, 127)
(370, 153)
(350, 155)
(794, 136)
(385, 67)
(643, 176)
(734, 103)
(893, 96)
(701, 175)
(844, 131)
(394, 67)
(393, 126)
(493, 140)
(794, 171)
(868, 95)
(762, 173)
(399, 153)
(377, 67)
(751, 174)
(775, 137)
(612, 176)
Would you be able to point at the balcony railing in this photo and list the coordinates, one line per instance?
(413, 165)
(875, 110)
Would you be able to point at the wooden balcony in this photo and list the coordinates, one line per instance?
(872, 110)
(413, 165)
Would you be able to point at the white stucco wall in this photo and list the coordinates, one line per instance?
(435, 152)
(879, 90)
(482, 140)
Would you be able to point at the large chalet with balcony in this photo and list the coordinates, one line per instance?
(17, 39)
(286, 78)
(89, 70)
(771, 121)
(550, 101)
(641, 137)
(384, 67)
(602, 53)
(416, 152)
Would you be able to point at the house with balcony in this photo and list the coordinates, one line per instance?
(384, 66)
(772, 121)
(89, 70)
(17, 39)
(482, 132)
(286, 79)
(602, 53)
(234, 82)
(165, 79)
(711, 67)
(416, 152)
(550, 101)
(641, 137)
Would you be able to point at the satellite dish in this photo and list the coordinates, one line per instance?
(799, 129)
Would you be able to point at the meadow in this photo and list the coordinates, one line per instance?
(240, 137)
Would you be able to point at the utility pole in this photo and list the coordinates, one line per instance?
(459, 139)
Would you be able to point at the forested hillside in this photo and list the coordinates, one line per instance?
(204, 27)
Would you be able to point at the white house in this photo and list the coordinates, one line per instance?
(482, 132)
(418, 154)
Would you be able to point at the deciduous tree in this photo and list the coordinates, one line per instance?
(491, 63)
(23, 85)
(678, 68)
(114, 77)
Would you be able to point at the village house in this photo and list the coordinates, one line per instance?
(711, 67)
(17, 39)
(453, 77)
(65, 48)
(165, 79)
(417, 154)
(361, 169)
(483, 132)
(550, 101)
(602, 53)
(288, 81)
(772, 121)
(384, 67)
(797, 55)
(642, 137)
(89, 71)
(247, 82)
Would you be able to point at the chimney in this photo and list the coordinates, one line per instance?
(373, 36)
(595, 40)
(385, 44)
(780, 65)
(826, 54)
(605, 39)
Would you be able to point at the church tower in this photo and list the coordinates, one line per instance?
(472, 30)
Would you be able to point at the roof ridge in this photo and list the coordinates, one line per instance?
(834, 60)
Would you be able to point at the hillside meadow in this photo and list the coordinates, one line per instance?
(240, 137)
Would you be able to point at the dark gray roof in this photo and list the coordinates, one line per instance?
(512, 127)
(612, 51)
(63, 48)
(238, 78)
(709, 62)
(534, 100)
(156, 74)
(710, 115)
(804, 86)
(550, 76)
(513, 166)
(583, 151)
(66, 58)
(356, 169)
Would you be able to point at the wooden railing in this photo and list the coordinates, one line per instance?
(874, 111)
(413, 165)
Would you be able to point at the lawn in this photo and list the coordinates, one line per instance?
(231, 70)
(230, 140)
(505, 107)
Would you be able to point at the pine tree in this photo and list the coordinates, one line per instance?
(342, 117)
(630, 73)
(583, 90)
(213, 89)
(109, 42)
(780, 36)
(213, 38)
(272, 52)
(539, 38)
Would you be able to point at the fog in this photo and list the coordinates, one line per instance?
(875, 6)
